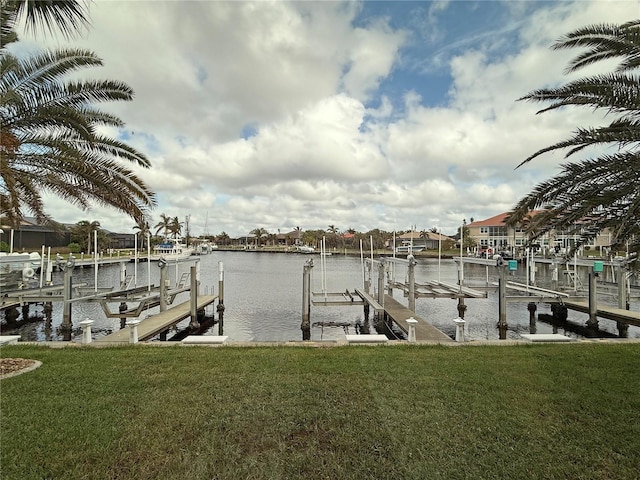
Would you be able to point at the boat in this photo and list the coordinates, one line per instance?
(171, 251)
(16, 269)
(305, 249)
(409, 248)
(204, 248)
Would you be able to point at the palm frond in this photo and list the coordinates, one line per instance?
(67, 16)
(624, 132)
(606, 41)
(616, 92)
(50, 143)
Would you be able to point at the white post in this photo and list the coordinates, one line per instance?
(461, 262)
(459, 329)
(95, 260)
(412, 330)
(49, 267)
(42, 267)
(11, 242)
(439, 252)
(364, 280)
(123, 274)
(135, 260)
(133, 330)
(148, 262)
(86, 330)
(371, 242)
(532, 265)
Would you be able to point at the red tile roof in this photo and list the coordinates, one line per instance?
(498, 220)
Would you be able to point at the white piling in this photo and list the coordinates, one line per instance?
(95, 260)
(49, 267)
(86, 330)
(412, 329)
(459, 329)
(133, 330)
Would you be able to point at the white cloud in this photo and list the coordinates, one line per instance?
(258, 114)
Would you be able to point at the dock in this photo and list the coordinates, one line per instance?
(425, 332)
(610, 313)
(156, 324)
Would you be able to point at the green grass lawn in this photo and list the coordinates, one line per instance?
(401, 412)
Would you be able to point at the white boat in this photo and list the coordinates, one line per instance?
(407, 248)
(204, 248)
(17, 269)
(171, 251)
(305, 249)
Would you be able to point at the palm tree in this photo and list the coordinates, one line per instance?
(175, 227)
(258, 232)
(223, 238)
(49, 139)
(82, 233)
(144, 230)
(601, 192)
(164, 224)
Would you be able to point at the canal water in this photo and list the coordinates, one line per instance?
(263, 299)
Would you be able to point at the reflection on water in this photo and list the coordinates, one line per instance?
(263, 299)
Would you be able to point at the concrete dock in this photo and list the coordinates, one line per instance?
(156, 324)
(425, 332)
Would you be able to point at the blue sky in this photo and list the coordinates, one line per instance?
(355, 114)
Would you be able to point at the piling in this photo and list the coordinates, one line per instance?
(623, 301)
(306, 300)
(412, 283)
(66, 308)
(532, 307)
(11, 314)
(593, 302)
(123, 320)
(25, 311)
(461, 307)
(193, 297)
(220, 308)
(502, 303)
(164, 283)
(380, 298)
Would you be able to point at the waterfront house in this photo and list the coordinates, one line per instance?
(422, 240)
(31, 236)
(493, 233)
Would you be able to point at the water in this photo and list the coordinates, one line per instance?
(263, 299)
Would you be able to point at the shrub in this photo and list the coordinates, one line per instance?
(74, 248)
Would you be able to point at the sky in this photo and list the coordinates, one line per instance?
(357, 115)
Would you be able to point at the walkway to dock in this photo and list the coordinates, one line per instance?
(611, 313)
(425, 332)
(151, 326)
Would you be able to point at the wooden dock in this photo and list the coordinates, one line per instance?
(151, 326)
(610, 313)
(425, 332)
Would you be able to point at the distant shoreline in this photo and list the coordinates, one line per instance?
(343, 252)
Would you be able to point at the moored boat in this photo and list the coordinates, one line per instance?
(171, 251)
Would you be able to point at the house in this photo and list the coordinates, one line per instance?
(493, 233)
(421, 240)
(294, 237)
(31, 236)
